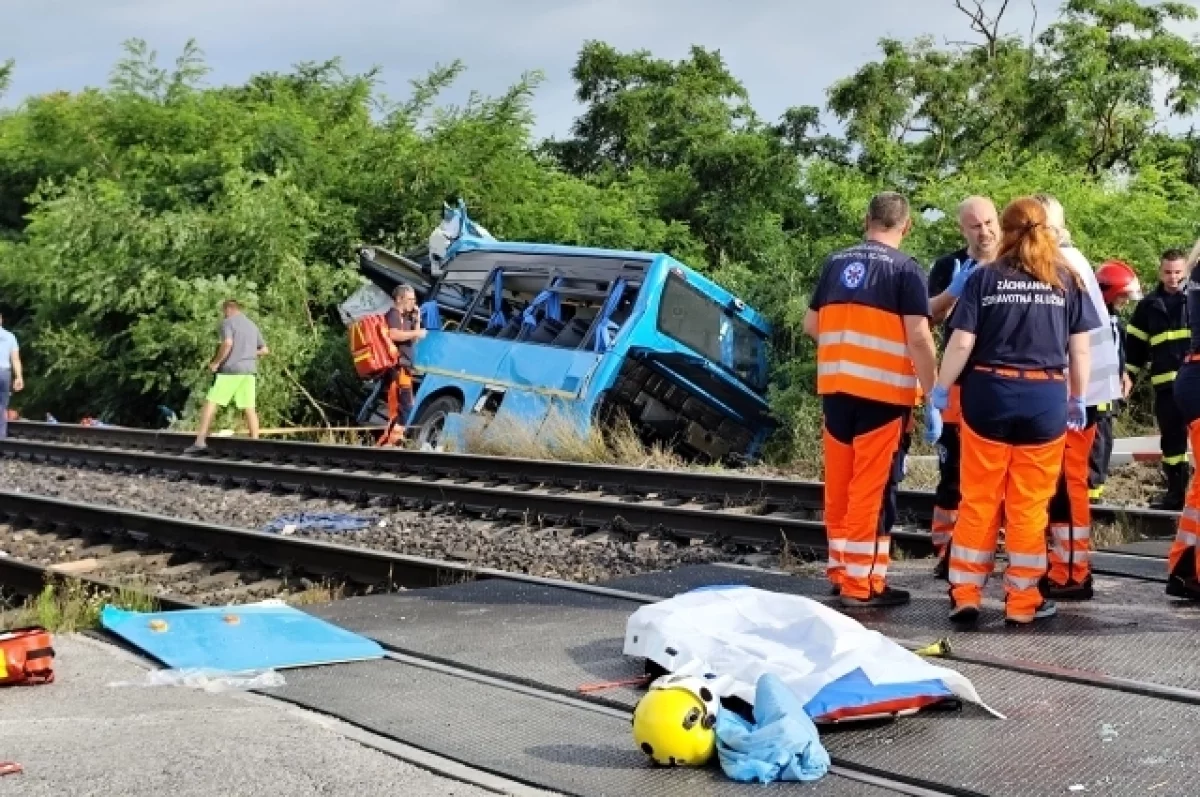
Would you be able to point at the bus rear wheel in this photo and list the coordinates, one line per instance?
(431, 420)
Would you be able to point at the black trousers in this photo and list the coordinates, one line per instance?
(1101, 455)
(1172, 427)
(891, 510)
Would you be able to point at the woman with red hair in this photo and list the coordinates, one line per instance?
(1019, 328)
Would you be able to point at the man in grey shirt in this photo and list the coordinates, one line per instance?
(11, 378)
(235, 365)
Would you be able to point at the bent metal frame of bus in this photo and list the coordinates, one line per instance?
(521, 329)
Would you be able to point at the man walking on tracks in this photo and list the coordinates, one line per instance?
(1158, 338)
(980, 226)
(870, 317)
(11, 378)
(236, 366)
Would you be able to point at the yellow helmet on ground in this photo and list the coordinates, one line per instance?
(673, 723)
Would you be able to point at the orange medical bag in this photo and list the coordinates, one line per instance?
(26, 656)
(373, 351)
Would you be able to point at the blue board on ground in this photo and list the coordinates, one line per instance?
(243, 637)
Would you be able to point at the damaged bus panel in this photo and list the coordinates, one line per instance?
(529, 331)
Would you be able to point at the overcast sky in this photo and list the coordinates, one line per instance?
(787, 52)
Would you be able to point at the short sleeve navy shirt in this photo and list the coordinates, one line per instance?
(875, 275)
(1020, 322)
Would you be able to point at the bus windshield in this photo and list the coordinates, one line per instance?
(697, 321)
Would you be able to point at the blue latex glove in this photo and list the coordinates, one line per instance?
(782, 744)
(933, 423)
(1076, 413)
(940, 397)
(961, 272)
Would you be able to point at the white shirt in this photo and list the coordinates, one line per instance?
(1104, 382)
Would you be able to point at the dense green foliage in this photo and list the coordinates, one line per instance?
(127, 213)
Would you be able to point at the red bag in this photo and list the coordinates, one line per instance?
(373, 351)
(26, 656)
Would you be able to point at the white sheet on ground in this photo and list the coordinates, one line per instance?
(740, 633)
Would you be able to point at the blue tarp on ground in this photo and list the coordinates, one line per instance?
(318, 521)
(245, 637)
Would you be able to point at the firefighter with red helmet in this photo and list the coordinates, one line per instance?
(1119, 286)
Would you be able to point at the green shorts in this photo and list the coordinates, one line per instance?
(238, 388)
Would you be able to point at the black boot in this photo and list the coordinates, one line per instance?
(1177, 484)
(1182, 583)
(941, 571)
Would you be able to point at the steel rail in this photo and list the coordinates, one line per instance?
(28, 579)
(392, 570)
(914, 506)
(687, 521)
(403, 571)
(862, 773)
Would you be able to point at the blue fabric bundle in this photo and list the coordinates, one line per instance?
(782, 744)
(320, 521)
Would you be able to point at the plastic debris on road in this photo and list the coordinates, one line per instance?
(212, 681)
(781, 744)
(317, 521)
(836, 667)
(256, 636)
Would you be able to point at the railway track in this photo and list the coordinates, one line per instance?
(133, 549)
(185, 563)
(724, 496)
(560, 503)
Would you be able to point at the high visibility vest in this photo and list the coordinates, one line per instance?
(863, 351)
(1104, 376)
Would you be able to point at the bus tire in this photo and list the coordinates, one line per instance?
(432, 418)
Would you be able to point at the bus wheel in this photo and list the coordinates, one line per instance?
(432, 419)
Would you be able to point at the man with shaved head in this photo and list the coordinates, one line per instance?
(980, 226)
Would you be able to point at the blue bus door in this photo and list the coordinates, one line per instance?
(538, 377)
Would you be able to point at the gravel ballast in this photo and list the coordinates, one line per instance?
(573, 554)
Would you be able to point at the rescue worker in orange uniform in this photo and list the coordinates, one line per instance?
(980, 226)
(1069, 577)
(404, 328)
(1018, 325)
(875, 357)
(1183, 565)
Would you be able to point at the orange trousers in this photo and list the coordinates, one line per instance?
(399, 401)
(1070, 538)
(1188, 535)
(856, 477)
(1022, 478)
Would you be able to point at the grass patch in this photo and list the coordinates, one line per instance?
(71, 605)
(325, 592)
(560, 437)
(1108, 535)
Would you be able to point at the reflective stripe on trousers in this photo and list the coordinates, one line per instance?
(1024, 478)
(1189, 520)
(943, 527)
(856, 477)
(1071, 512)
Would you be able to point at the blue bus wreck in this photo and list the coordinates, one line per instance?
(524, 330)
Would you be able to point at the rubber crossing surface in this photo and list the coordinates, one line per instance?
(1058, 736)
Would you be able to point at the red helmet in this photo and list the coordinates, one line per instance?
(1118, 280)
